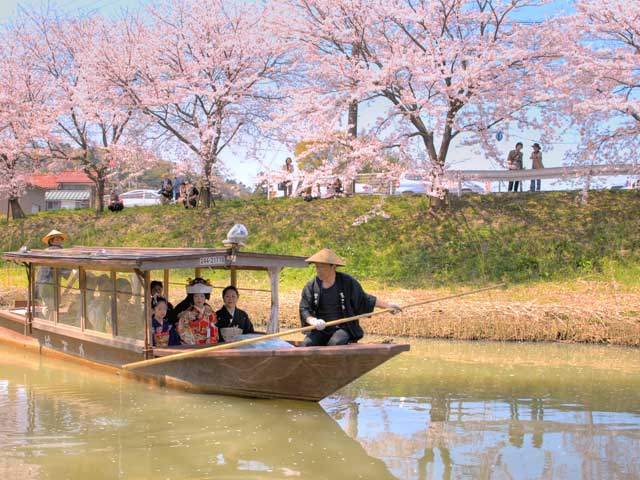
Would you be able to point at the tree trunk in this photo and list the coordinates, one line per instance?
(206, 193)
(352, 130)
(14, 207)
(99, 195)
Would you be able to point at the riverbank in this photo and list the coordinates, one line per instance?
(574, 271)
(578, 312)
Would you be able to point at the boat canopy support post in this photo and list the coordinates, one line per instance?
(274, 277)
(146, 281)
(165, 283)
(31, 308)
(234, 277)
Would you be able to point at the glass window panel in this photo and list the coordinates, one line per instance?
(99, 297)
(70, 307)
(44, 292)
(130, 306)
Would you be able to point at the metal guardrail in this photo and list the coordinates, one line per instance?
(383, 184)
(543, 173)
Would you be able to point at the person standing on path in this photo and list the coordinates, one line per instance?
(536, 164)
(514, 162)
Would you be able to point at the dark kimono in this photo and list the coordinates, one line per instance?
(240, 319)
(168, 336)
(353, 301)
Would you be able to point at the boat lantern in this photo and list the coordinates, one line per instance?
(236, 236)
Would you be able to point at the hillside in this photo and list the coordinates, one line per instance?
(574, 270)
(478, 239)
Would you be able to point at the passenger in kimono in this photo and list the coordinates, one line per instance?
(230, 316)
(197, 324)
(164, 332)
(157, 290)
(332, 295)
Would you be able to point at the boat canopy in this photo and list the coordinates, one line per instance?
(146, 259)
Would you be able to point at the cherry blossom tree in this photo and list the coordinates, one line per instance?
(93, 126)
(602, 80)
(206, 72)
(24, 95)
(432, 71)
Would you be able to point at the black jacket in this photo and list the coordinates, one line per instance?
(354, 301)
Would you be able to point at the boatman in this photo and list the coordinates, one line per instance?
(45, 285)
(333, 295)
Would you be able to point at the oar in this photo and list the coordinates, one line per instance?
(204, 351)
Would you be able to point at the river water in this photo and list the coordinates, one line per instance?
(443, 410)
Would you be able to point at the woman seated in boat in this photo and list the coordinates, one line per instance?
(188, 300)
(164, 333)
(229, 316)
(197, 324)
(130, 316)
(99, 304)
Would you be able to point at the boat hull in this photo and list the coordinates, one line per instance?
(310, 373)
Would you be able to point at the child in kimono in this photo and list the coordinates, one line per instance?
(163, 332)
(197, 324)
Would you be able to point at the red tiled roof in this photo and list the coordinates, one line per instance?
(52, 181)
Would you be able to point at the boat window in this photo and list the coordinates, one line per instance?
(99, 301)
(44, 298)
(130, 306)
(70, 305)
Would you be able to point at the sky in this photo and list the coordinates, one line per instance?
(241, 168)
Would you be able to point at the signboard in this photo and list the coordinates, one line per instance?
(209, 261)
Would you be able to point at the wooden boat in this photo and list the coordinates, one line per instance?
(61, 318)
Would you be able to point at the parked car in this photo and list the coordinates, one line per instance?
(411, 183)
(134, 198)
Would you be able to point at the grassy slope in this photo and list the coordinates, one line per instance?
(479, 239)
(574, 270)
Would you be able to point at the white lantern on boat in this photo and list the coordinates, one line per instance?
(237, 235)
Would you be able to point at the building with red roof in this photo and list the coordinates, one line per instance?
(69, 190)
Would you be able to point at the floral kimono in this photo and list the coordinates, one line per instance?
(198, 327)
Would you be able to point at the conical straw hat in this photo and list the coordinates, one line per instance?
(53, 233)
(326, 255)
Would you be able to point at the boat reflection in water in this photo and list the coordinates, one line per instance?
(61, 421)
(496, 410)
(446, 410)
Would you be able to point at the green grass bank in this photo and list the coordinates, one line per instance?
(556, 254)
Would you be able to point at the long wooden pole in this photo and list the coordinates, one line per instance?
(204, 351)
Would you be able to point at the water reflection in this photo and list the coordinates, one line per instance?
(61, 421)
(473, 410)
(444, 410)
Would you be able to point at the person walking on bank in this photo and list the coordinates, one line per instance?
(514, 162)
(333, 295)
(536, 163)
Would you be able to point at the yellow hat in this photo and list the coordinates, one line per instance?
(326, 255)
(52, 234)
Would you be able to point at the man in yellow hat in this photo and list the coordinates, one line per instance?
(54, 239)
(45, 284)
(333, 295)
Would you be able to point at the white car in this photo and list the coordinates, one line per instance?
(141, 197)
(412, 183)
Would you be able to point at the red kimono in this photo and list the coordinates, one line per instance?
(198, 327)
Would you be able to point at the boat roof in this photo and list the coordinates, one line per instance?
(128, 258)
